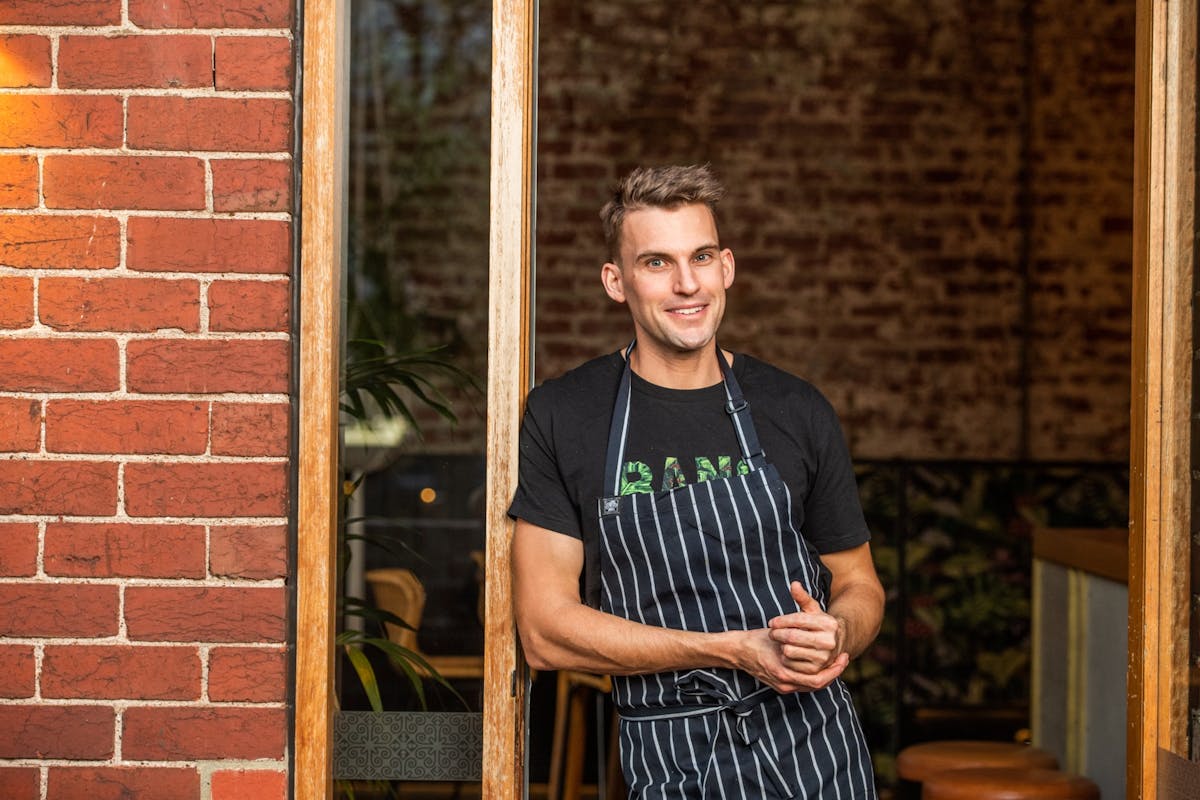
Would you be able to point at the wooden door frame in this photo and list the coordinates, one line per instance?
(1160, 431)
(325, 36)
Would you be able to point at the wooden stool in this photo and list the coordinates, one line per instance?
(566, 757)
(1008, 783)
(917, 762)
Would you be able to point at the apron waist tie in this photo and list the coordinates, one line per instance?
(704, 684)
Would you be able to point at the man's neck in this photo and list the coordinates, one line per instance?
(692, 370)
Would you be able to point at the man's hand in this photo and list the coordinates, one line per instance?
(810, 640)
(764, 658)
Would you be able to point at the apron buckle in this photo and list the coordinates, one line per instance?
(609, 506)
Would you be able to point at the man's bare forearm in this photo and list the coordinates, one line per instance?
(574, 636)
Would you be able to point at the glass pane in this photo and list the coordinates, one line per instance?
(413, 434)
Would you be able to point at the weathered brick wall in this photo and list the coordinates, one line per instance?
(145, 248)
(887, 247)
(1081, 174)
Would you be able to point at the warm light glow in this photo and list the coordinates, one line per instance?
(428, 495)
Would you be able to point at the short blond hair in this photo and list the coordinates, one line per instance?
(658, 187)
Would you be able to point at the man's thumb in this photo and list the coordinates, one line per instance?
(803, 598)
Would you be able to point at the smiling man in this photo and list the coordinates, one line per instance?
(688, 522)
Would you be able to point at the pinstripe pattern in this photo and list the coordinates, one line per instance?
(716, 556)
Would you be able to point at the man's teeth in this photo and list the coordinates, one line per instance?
(688, 310)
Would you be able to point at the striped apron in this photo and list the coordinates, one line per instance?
(715, 556)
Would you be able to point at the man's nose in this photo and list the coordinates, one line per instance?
(685, 280)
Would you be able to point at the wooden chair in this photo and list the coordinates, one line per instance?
(400, 592)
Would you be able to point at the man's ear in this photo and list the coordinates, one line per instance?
(610, 276)
(728, 267)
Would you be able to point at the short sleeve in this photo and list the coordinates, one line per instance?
(542, 497)
(832, 512)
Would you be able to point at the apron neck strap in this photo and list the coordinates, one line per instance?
(735, 406)
(739, 411)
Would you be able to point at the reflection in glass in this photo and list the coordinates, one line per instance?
(415, 327)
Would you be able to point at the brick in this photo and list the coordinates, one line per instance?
(16, 303)
(61, 120)
(56, 242)
(60, 12)
(20, 425)
(207, 366)
(211, 13)
(18, 182)
(18, 549)
(126, 426)
(249, 429)
(84, 733)
(58, 365)
(250, 63)
(57, 609)
(16, 672)
(209, 245)
(205, 614)
(119, 304)
(122, 783)
(226, 124)
(249, 305)
(58, 487)
(134, 62)
(249, 784)
(189, 734)
(247, 675)
(250, 552)
(206, 490)
(124, 550)
(139, 182)
(121, 672)
(252, 185)
(20, 783)
(26, 61)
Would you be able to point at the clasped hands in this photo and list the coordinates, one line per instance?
(801, 651)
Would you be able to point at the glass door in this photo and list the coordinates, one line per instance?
(412, 369)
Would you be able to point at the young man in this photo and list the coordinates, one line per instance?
(707, 502)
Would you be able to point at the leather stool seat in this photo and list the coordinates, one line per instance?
(1008, 783)
(918, 762)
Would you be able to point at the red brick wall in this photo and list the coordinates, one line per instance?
(887, 246)
(145, 252)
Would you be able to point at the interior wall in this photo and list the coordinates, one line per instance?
(929, 203)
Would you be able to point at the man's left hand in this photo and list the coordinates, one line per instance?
(809, 639)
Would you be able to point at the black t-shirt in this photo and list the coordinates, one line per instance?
(681, 436)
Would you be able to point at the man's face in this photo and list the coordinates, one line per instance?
(673, 274)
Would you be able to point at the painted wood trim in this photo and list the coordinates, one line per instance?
(321, 248)
(509, 369)
(1100, 551)
(1164, 131)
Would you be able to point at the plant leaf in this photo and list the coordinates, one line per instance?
(366, 676)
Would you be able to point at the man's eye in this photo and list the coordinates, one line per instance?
(704, 257)
(655, 263)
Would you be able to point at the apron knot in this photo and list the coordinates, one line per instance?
(705, 685)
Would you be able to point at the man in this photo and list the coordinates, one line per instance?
(693, 489)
